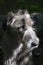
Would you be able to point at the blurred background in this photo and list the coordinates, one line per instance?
(32, 6)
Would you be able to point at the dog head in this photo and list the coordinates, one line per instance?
(16, 21)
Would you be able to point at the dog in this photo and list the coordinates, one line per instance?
(18, 37)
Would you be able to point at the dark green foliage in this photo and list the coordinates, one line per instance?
(31, 5)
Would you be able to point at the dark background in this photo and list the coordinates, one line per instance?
(31, 6)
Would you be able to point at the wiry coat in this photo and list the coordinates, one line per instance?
(17, 39)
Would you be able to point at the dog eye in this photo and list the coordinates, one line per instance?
(10, 19)
(23, 21)
(23, 26)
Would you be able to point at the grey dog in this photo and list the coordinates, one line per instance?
(18, 36)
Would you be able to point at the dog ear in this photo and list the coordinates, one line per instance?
(9, 17)
(10, 14)
(7, 20)
(4, 24)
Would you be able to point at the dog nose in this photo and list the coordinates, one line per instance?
(35, 51)
(33, 44)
